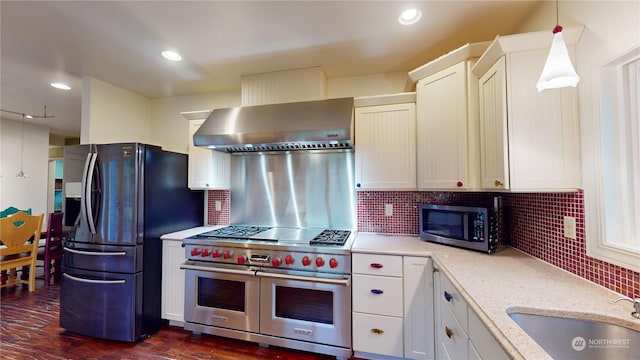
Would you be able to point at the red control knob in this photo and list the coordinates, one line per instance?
(276, 262)
(205, 253)
(319, 262)
(242, 259)
(288, 260)
(306, 261)
(195, 251)
(333, 263)
(227, 254)
(215, 254)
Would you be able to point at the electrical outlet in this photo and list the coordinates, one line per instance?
(218, 205)
(570, 227)
(388, 209)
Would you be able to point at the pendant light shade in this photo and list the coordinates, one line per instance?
(558, 71)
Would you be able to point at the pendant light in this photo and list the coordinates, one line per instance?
(558, 71)
(21, 173)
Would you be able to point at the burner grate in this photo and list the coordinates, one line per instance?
(236, 231)
(331, 237)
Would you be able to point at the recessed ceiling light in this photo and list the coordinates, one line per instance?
(60, 85)
(410, 16)
(171, 55)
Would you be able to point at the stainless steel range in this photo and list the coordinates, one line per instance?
(282, 274)
(281, 286)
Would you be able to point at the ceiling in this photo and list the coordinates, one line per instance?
(120, 42)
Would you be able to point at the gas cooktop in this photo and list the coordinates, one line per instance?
(278, 234)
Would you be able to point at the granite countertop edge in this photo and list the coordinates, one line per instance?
(509, 281)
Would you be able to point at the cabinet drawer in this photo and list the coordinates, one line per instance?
(450, 296)
(453, 342)
(377, 295)
(377, 334)
(373, 264)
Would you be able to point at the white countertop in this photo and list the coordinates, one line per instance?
(509, 280)
(183, 234)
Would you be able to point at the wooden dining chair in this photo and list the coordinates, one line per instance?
(20, 234)
(51, 253)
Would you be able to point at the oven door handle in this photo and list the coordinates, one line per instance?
(345, 281)
(217, 269)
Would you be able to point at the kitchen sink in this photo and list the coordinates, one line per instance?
(570, 338)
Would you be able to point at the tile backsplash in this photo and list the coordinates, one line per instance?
(533, 224)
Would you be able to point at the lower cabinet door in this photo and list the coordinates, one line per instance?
(378, 334)
(453, 342)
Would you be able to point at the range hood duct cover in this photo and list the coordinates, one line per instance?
(308, 125)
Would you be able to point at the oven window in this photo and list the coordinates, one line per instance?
(445, 223)
(304, 304)
(221, 294)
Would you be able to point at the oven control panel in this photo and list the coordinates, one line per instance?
(291, 260)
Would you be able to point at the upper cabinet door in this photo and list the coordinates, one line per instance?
(447, 125)
(208, 169)
(493, 125)
(385, 145)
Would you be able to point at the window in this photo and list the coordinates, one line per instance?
(610, 132)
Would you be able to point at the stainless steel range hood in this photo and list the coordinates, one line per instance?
(307, 125)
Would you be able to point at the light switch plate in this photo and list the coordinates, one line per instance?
(570, 227)
(388, 209)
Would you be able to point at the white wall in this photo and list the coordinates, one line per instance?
(111, 114)
(601, 19)
(32, 191)
(170, 129)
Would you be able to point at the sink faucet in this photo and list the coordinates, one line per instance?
(636, 305)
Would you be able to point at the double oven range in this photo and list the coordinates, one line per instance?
(282, 286)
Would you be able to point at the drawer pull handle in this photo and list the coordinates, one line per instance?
(377, 331)
(376, 291)
(448, 331)
(447, 296)
(376, 266)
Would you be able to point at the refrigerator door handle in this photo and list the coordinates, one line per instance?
(95, 253)
(89, 169)
(92, 281)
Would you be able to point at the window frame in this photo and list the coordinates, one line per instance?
(604, 83)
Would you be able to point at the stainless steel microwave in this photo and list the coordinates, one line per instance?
(475, 228)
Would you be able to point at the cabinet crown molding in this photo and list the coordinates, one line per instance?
(465, 52)
(502, 45)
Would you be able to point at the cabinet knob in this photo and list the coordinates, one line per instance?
(377, 331)
(448, 331)
(376, 291)
(358, 185)
(447, 296)
(459, 184)
(376, 265)
(497, 183)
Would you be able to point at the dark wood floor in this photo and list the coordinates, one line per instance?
(30, 330)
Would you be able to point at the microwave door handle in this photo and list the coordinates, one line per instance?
(465, 225)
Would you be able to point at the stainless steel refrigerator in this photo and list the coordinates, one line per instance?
(119, 200)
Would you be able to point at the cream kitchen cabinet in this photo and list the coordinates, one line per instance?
(392, 307)
(529, 140)
(173, 281)
(385, 146)
(448, 140)
(208, 169)
(459, 332)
